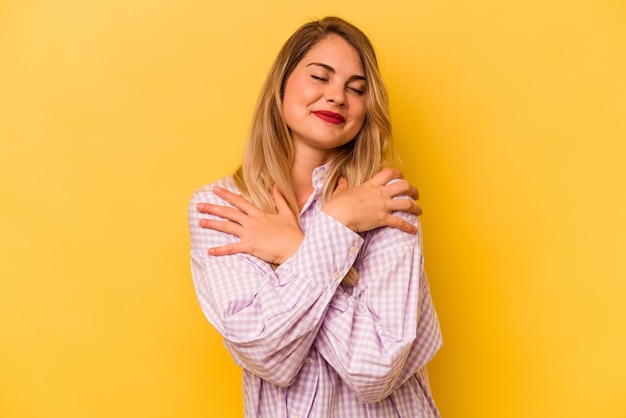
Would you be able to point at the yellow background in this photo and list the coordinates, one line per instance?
(510, 117)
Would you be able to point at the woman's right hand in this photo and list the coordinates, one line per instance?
(270, 237)
(370, 205)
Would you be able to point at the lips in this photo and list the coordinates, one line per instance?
(330, 117)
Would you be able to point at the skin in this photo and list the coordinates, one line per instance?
(327, 78)
(330, 77)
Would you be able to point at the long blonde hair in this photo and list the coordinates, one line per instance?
(269, 153)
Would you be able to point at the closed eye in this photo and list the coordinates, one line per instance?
(357, 91)
(319, 78)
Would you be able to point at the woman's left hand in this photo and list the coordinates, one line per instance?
(371, 204)
(272, 238)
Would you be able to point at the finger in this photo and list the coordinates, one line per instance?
(280, 202)
(228, 249)
(402, 188)
(200, 207)
(225, 212)
(386, 175)
(222, 226)
(405, 205)
(342, 185)
(235, 199)
(401, 224)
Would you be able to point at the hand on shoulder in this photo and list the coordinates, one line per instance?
(271, 237)
(371, 204)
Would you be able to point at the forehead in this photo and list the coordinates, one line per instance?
(337, 53)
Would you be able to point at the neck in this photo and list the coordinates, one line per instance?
(302, 172)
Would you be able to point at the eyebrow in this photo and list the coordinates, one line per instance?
(332, 70)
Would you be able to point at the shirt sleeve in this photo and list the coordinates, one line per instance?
(269, 318)
(385, 330)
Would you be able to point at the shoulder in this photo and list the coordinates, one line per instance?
(387, 239)
(205, 193)
(206, 237)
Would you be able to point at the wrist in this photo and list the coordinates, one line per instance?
(342, 216)
(291, 248)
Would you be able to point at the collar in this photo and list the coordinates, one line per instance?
(318, 177)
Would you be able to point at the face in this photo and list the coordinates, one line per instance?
(324, 97)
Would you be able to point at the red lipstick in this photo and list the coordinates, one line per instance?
(330, 117)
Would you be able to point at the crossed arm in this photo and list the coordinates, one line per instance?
(271, 318)
(275, 238)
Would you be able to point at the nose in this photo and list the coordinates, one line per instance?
(335, 95)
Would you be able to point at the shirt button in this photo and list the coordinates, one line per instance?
(336, 275)
(309, 360)
(352, 249)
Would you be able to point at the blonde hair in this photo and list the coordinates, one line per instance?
(269, 154)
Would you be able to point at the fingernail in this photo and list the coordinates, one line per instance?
(217, 189)
(200, 206)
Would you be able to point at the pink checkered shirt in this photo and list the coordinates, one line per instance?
(308, 346)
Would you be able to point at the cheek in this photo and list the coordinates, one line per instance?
(295, 97)
(297, 86)
(359, 113)
(289, 101)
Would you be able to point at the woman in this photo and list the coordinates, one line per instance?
(308, 261)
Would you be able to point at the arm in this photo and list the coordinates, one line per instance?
(385, 330)
(268, 318)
